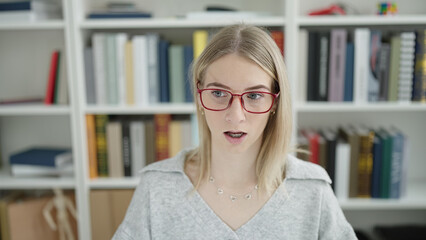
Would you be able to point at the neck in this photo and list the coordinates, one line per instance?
(234, 170)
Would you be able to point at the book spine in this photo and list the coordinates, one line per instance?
(373, 82)
(127, 148)
(324, 41)
(349, 73)
(377, 166)
(199, 39)
(115, 149)
(51, 82)
(99, 72)
(278, 37)
(101, 144)
(361, 65)
(336, 66)
(177, 82)
(137, 140)
(396, 165)
(130, 83)
(394, 68)
(58, 69)
(163, 54)
(365, 165)
(312, 80)
(162, 122)
(188, 53)
(121, 40)
(152, 62)
(91, 146)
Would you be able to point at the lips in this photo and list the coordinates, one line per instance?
(235, 137)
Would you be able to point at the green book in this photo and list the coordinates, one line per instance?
(58, 68)
(111, 69)
(176, 70)
(101, 122)
(385, 175)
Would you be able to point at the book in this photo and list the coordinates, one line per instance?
(28, 170)
(312, 137)
(313, 59)
(348, 133)
(176, 71)
(199, 41)
(419, 80)
(114, 15)
(42, 156)
(126, 148)
(396, 162)
(153, 65)
(361, 64)
(89, 76)
(141, 85)
(99, 55)
(336, 66)
(342, 169)
(163, 54)
(330, 136)
(120, 55)
(51, 81)
(349, 73)
(101, 144)
(406, 66)
(188, 56)
(394, 68)
(129, 73)
(91, 145)
(175, 137)
(115, 149)
(374, 57)
(303, 65)
(162, 122)
(150, 141)
(111, 68)
(385, 172)
(324, 47)
(383, 71)
(278, 37)
(137, 146)
(61, 90)
(377, 166)
(365, 163)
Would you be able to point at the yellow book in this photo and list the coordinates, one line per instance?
(200, 38)
(175, 140)
(91, 146)
(128, 57)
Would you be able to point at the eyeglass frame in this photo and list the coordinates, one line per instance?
(274, 95)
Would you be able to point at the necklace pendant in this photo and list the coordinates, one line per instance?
(220, 191)
(247, 196)
(233, 198)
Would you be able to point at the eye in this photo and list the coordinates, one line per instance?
(254, 95)
(218, 93)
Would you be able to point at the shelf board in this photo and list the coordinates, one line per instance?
(114, 183)
(176, 23)
(415, 199)
(33, 109)
(35, 25)
(7, 182)
(184, 108)
(361, 20)
(354, 107)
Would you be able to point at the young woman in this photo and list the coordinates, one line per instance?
(240, 183)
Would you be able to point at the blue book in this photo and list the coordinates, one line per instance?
(101, 15)
(15, 6)
(163, 54)
(377, 167)
(396, 164)
(188, 56)
(48, 157)
(349, 73)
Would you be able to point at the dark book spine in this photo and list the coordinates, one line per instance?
(312, 83)
(126, 148)
(101, 144)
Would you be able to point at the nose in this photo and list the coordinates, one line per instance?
(235, 113)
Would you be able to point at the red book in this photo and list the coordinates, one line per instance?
(278, 37)
(313, 138)
(50, 90)
(162, 122)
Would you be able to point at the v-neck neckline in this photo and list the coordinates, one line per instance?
(210, 218)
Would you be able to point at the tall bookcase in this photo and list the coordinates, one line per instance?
(24, 125)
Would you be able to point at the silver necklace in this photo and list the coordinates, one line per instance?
(234, 197)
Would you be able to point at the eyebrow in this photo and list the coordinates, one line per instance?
(216, 84)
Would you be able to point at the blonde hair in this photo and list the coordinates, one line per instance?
(253, 43)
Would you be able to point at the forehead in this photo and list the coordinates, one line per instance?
(237, 72)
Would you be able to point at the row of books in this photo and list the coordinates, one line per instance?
(364, 66)
(120, 146)
(361, 162)
(30, 10)
(145, 69)
(41, 162)
(56, 84)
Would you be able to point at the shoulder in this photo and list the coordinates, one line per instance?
(297, 169)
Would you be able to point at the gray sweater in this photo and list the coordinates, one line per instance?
(303, 207)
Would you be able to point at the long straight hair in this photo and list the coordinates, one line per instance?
(255, 44)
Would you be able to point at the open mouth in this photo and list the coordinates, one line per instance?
(235, 134)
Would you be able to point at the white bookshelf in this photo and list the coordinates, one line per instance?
(36, 25)
(177, 23)
(33, 110)
(73, 33)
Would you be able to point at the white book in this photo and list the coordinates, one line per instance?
(121, 39)
(361, 65)
(140, 67)
(99, 73)
(63, 83)
(342, 173)
(186, 134)
(137, 143)
(115, 149)
(153, 78)
(303, 65)
(23, 170)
